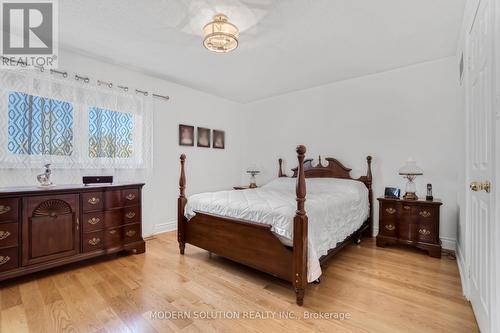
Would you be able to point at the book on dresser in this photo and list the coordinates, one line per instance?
(41, 228)
(410, 222)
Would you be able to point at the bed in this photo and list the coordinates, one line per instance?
(264, 229)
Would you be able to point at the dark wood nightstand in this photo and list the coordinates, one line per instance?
(410, 222)
(242, 187)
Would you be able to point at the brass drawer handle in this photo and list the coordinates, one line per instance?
(130, 215)
(93, 201)
(112, 232)
(94, 220)
(94, 241)
(130, 196)
(390, 227)
(4, 234)
(131, 233)
(425, 213)
(4, 209)
(407, 207)
(424, 232)
(4, 260)
(390, 210)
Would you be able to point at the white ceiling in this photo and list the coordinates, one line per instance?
(284, 45)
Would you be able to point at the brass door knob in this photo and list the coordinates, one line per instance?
(479, 186)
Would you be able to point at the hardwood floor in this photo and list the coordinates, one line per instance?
(382, 290)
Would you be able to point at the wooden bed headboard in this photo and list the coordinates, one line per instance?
(334, 169)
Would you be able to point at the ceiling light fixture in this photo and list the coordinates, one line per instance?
(220, 35)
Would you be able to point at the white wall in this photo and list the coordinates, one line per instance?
(411, 111)
(186, 106)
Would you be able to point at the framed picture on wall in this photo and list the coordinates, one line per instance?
(203, 137)
(218, 139)
(186, 135)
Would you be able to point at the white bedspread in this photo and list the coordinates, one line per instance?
(335, 208)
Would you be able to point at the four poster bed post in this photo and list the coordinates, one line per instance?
(254, 244)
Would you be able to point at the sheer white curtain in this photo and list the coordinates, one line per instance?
(20, 148)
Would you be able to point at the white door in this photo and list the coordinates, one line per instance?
(480, 169)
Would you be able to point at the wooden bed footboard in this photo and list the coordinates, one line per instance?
(250, 243)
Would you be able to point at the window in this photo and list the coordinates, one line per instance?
(39, 125)
(110, 133)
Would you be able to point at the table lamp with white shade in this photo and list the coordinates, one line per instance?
(410, 171)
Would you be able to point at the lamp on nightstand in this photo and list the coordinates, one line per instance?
(253, 171)
(410, 171)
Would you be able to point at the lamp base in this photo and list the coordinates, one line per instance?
(410, 196)
(252, 185)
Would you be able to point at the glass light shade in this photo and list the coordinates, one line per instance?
(411, 168)
(220, 35)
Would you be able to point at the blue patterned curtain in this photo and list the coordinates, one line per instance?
(39, 125)
(111, 133)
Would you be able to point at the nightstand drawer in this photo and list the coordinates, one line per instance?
(389, 211)
(426, 214)
(426, 232)
(389, 227)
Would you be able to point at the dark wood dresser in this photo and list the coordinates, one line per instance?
(41, 228)
(411, 222)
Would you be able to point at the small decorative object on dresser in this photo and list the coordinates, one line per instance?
(410, 171)
(410, 222)
(392, 192)
(44, 178)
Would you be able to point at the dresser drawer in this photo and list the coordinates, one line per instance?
(92, 201)
(93, 241)
(9, 209)
(132, 233)
(131, 214)
(113, 199)
(8, 258)
(426, 233)
(130, 197)
(113, 218)
(93, 221)
(114, 237)
(9, 233)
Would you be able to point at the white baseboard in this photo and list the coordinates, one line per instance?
(449, 243)
(164, 227)
(462, 269)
